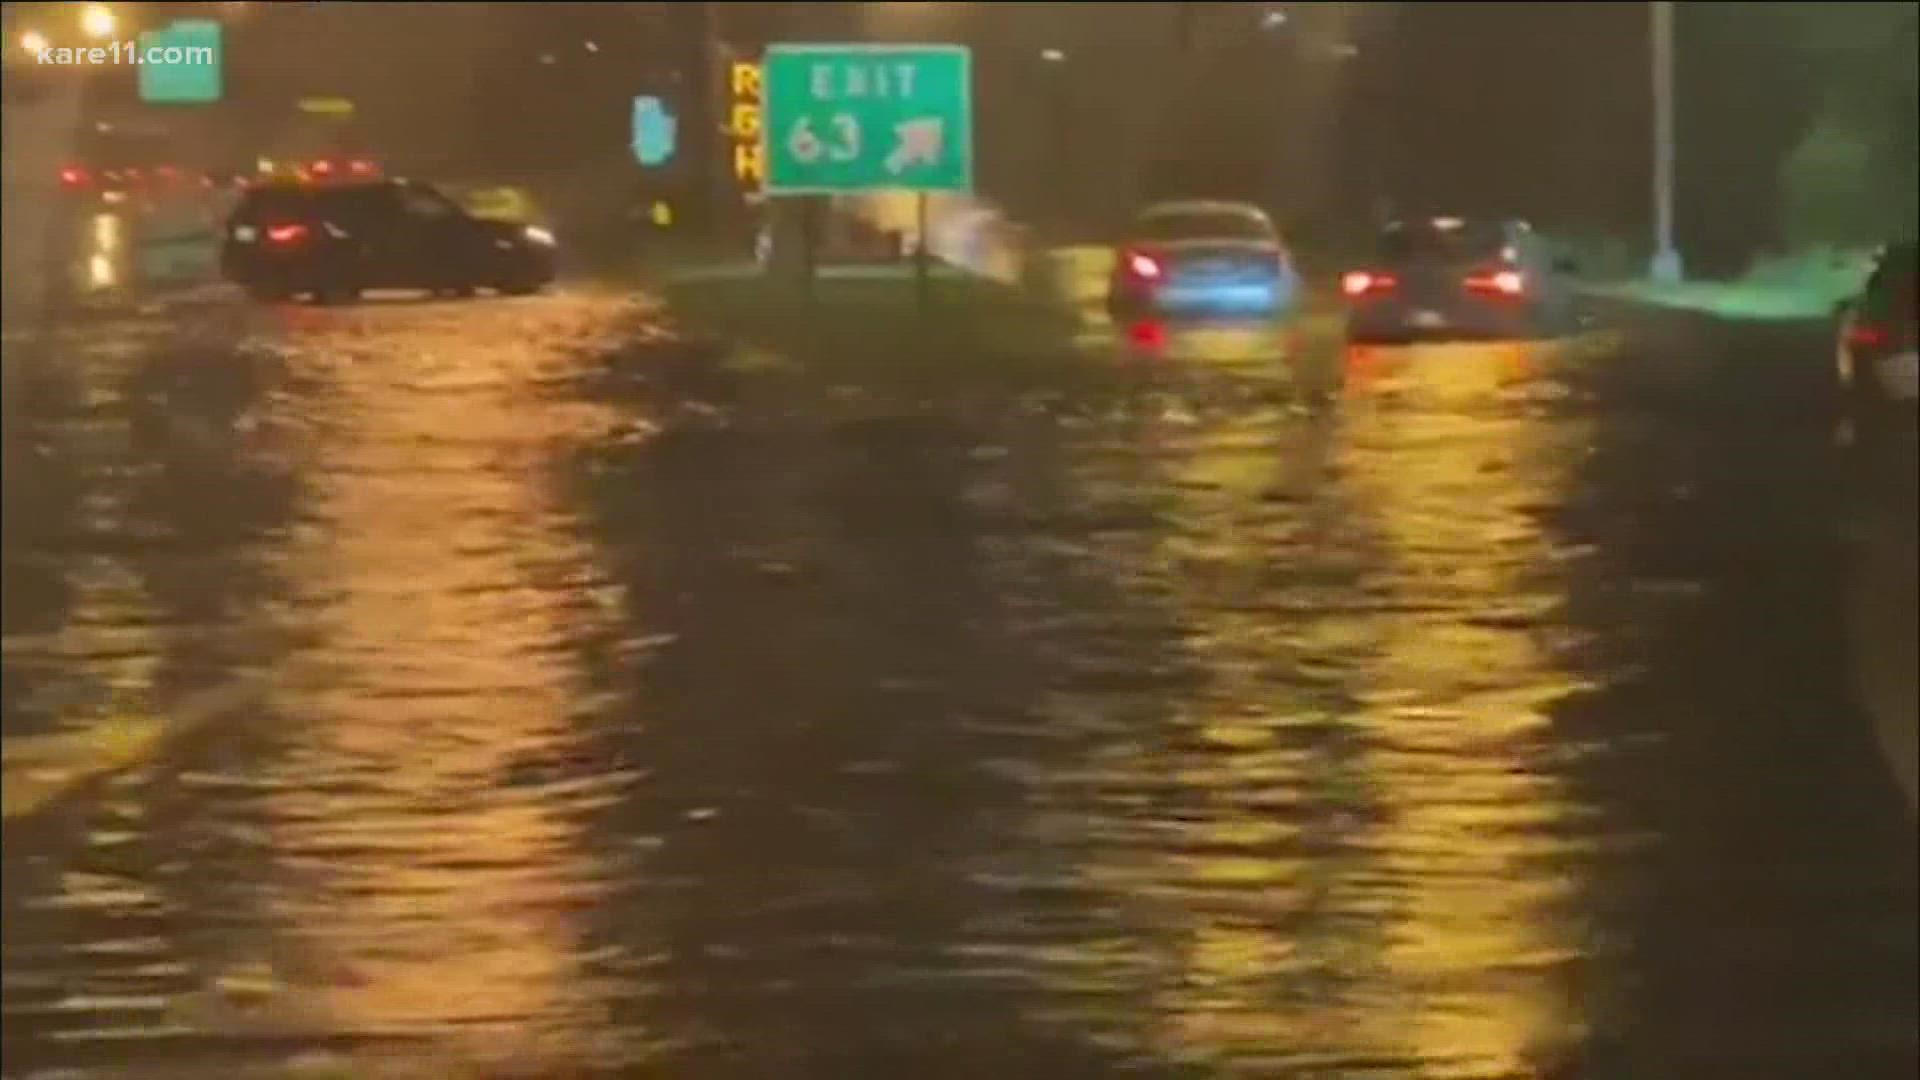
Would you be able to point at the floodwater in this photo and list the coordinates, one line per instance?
(514, 688)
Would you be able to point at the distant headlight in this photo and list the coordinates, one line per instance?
(539, 235)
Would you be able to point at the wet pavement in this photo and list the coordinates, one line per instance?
(515, 688)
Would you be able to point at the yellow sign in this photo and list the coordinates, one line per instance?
(750, 163)
(744, 124)
(327, 106)
(661, 213)
(745, 80)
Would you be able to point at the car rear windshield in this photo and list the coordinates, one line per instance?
(1431, 242)
(1201, 225)
(345, 203)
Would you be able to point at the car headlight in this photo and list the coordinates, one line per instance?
(539, 235)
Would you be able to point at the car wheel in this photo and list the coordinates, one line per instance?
(336, 294)
(519, 288)
(266, 294)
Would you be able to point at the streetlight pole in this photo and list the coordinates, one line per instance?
(696, 39)
(1054, 69)
(1666, 257)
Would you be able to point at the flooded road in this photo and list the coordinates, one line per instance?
(512, 688)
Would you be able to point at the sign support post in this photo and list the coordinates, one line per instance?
(922, 284)
(862, 119)
(809, 245)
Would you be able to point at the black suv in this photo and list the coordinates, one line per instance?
(1454, 278)
(331, 241)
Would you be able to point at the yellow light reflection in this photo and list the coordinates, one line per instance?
(104, 252)
(106, 233)
(101, 273)
(451, 583)
(1460, 689)
(1337, 852)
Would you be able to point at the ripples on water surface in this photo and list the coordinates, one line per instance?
(1174, 731)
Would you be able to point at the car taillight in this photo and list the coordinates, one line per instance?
(321, 168)
(1141, 266)
(1147, 334)
(1499, 283)
(1868, 336)
(286, 234)
(73, 176)
(1362, 282)
(360, 167)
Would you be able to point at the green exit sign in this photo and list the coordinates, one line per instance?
(845, 118)
(180, 64)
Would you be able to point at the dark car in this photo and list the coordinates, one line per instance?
(1449, 277)
(331, 241)
(1876, 361)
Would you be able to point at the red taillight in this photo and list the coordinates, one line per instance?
(72, 176)
(360, 167)
(286, 234)
(1147, 334)
(321, 168)
(1501, 283)
(1362, 282)
(1868, 336)
(1141, 266)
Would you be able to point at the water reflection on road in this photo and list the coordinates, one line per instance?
(422, 813)
(127, 255)
(1154, 724)
(1340, 847)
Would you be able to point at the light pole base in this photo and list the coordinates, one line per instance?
(1667, 268)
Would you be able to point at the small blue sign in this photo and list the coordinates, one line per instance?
(655, 131)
